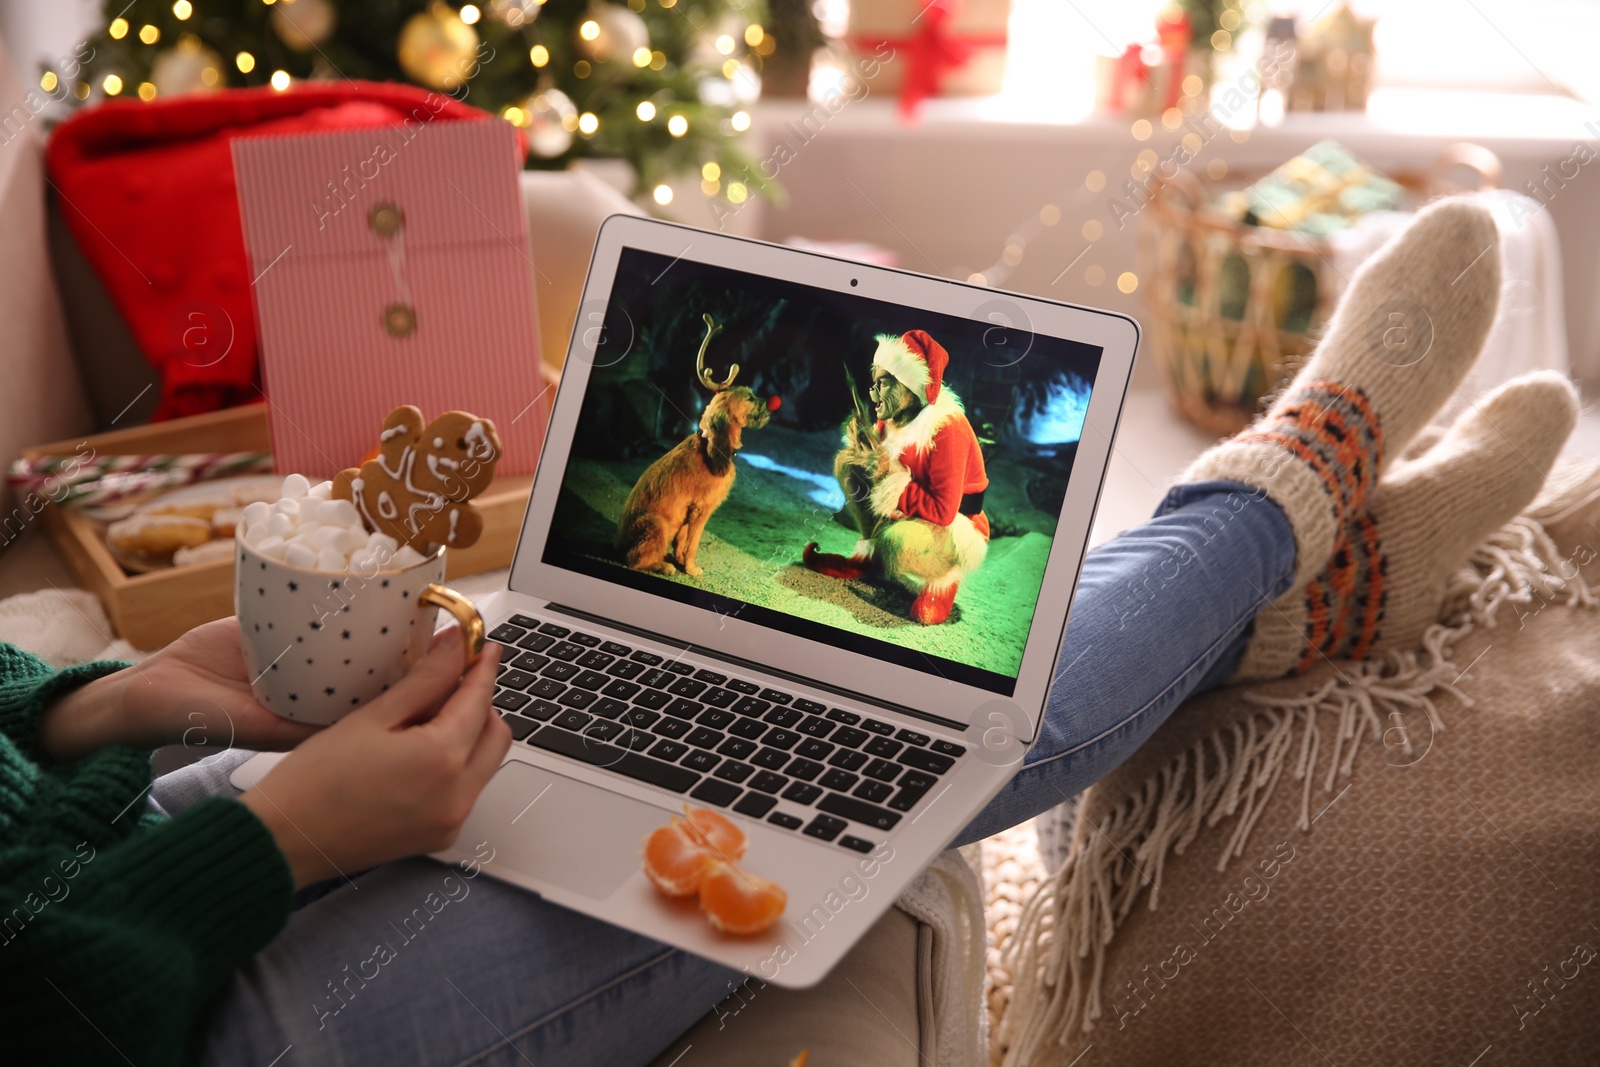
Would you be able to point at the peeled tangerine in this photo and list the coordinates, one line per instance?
(677, 856)
(738, 902)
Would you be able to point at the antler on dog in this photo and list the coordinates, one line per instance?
(712, 329)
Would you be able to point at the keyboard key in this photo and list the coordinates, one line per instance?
(737, 747)
(565, 650)
(507, 634)
(536, 642)
(739, 685)
(778, 737)
(770, 758)
(625, 668)
(911, 737)
(620, 689)
(814, 749)
(946, 748)
(548, 688)
(837, 779)
(671, 728)
(882, 770)
(824, 827)
(776, 696)
(849, 760)
(684, 708)
(601, 730)
(810, 707)
(611, 648)
(752, 707)
(768, 783)
(654, 699)
(677, 666)
(801, 793)
(561, 672)
(734, 771)
(701, 760)
(717, 720)
(883, 746)
(858, 811)
(543, 710)
(596, 660)
(714, 792)
(671, 751)
(859, 844)
(877, 792)
(923, 760)
(531, 662)
(908, 796)
(514, 679)
(607, 708)
(781, 716)
(637, 740)
(586, 640)
(749, 729)
(638, 717)
(755, 804)
(785, 820)
(718, 697)
(655, 678)
(703, 737)
(510, 699)
(877, 727)
(849, 736)
(849, 718)
(573, 720)
(686, 687)
(632, 764)
(577, 698)
(649, 659)
(812, 726)
(803, 769)
(591, 680)
(524, 622)
(520, 727)
(554, 629)
(710, 676)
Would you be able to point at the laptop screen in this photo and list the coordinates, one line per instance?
(880, 478)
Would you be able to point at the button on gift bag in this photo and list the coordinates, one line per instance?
(391, 267)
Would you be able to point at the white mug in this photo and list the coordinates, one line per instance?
(318, 645)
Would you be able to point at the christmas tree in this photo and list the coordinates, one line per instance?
(660, 83)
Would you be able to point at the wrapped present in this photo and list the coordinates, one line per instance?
(1322, 190)
(922, 49)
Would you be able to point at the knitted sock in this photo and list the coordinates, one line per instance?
(1384, 580)
(1402, 338)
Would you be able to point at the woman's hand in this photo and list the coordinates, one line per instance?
(394, 778)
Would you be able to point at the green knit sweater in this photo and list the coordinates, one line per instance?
(118, 929)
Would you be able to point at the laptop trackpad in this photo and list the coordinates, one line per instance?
(550, 841)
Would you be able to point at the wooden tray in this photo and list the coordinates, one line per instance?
(150, 610)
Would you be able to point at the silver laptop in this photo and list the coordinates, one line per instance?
(721, 669)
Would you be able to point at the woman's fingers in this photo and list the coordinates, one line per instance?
(461, 720)
(423, 688)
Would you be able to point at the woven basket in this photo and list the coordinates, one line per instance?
(1232, 309)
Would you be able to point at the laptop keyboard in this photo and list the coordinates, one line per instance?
(827, 773)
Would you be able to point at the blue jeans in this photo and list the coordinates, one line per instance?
(478, 972)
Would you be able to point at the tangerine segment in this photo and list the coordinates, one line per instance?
(674, 861)
(716, 831)
(738, 902)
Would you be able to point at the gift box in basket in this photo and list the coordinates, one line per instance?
(1240, 278)
(391, 268)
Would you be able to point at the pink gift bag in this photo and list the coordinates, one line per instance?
(391, 266)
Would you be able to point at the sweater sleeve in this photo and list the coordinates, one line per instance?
(128, 954)
(28, 685)
(937, 495)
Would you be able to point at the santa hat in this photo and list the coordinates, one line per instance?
(915, 359)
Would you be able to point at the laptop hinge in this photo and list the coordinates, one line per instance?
(755, 668)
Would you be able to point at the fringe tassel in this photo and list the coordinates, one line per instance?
(1057, 956)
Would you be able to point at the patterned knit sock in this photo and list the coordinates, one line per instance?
(1384, 580)
(1402, 338)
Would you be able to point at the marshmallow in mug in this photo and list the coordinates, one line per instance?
(307, 528)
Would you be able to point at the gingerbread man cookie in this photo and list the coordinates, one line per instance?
(416, 489)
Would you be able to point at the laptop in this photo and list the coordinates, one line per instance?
(806, 702)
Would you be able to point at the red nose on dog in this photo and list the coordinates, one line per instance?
(774, 403)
